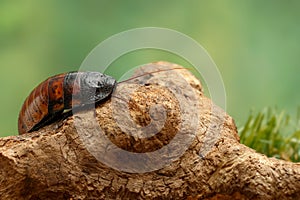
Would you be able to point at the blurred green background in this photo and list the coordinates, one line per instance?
(255, 44)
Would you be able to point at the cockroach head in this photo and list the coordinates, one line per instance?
(97, 86)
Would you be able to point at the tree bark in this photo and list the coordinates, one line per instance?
(111, 152)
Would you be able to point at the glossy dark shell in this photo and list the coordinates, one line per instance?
(58, 93)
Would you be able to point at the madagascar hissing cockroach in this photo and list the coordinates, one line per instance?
(62, 92)
(58, 93)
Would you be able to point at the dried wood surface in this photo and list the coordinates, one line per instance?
(59, 162)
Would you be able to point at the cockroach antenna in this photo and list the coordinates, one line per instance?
(145, 74)
(148, 73)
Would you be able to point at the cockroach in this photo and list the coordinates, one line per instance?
(58, 95)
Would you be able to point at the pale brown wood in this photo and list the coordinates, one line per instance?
(54, 163)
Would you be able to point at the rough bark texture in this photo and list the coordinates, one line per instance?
(54, 163)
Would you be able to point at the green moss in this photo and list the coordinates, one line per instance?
(273, 133)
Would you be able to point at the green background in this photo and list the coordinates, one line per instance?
(255, 44)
